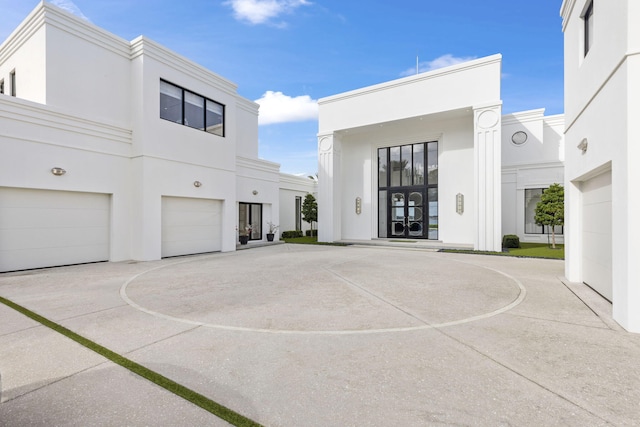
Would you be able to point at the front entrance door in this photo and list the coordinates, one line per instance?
(407, 213)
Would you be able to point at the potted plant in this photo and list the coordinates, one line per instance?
(245, 234)
(272, 230)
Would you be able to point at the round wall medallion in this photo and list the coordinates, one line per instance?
(325, 144)
(488, 119)
(519, 138)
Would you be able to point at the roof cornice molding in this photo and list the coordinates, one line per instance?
(247, 105)
(29, 26)
(297, 180)
(257, 164)
(147, 47)
(453, 69)
(565, 11)
(523, 116)
(46, 14)
(556, 120)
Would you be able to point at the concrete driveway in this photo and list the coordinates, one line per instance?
(296, 335)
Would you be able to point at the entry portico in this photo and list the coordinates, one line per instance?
(417, 158)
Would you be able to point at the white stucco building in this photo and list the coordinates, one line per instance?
(115, 150)
(602, 106)
(431, 157)
(532, 160)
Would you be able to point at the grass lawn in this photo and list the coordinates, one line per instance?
(308, 240)
(532, 250)
(538, 250)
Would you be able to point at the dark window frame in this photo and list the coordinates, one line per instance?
(588, 27)
(256, 232)
(183, 120)
(12, 82)
(298, 213)
(543, 229)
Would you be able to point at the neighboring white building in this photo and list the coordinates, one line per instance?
(602, 107)
(117, 150)
(532, 160)
(431, 157)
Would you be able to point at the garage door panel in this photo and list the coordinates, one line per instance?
(191, 226)
(59, 218)
(43, 228)
(204, 218)
(32, 238)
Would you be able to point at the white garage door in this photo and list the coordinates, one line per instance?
(191, 226)
(44, 228)
(596, 234)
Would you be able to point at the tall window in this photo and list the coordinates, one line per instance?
(2, 86)
(588, 27)
(408, 191)
(12, 82)
(187, 108)
(531, 199)
(250, 216)
(298, 213)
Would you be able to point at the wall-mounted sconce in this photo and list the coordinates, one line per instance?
(197, 184)
(358, 205)
(584, 144)
(254, 192)
(460, 203)
(58, 171)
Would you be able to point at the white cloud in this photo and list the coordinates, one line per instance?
(440, 62)
(70, 7)
(276, 107)
(262, 11)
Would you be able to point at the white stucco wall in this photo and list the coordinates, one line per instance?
(292, 186)
(537, 163)
(102, 123)
(601, 108)
(457, 106)
(35, 138)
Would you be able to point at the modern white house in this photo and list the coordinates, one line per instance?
(602, 107)
(431, 157)
(115, 150)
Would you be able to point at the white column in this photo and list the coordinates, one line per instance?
(487, 159)
(329, 194)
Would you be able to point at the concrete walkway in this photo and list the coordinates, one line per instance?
(297, 335)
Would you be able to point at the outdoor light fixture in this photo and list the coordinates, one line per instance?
(584, 144)
(197, 184)
(358, 205)
(255, 192)
(58, 171)
(460, 203)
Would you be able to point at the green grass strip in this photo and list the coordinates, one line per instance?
(198, 399)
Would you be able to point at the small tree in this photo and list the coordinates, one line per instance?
(310, 210)
(550, 209)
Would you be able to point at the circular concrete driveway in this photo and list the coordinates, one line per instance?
(300, 289)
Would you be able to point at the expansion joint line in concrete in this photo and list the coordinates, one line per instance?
(179, 390)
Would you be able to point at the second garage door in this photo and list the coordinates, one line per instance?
(596, 234)
(191, 226)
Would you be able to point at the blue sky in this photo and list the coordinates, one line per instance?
(286, 54)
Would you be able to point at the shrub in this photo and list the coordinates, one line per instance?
(309, 233)
(291, 234)
(510, 241)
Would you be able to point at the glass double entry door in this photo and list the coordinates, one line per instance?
(408, 216)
